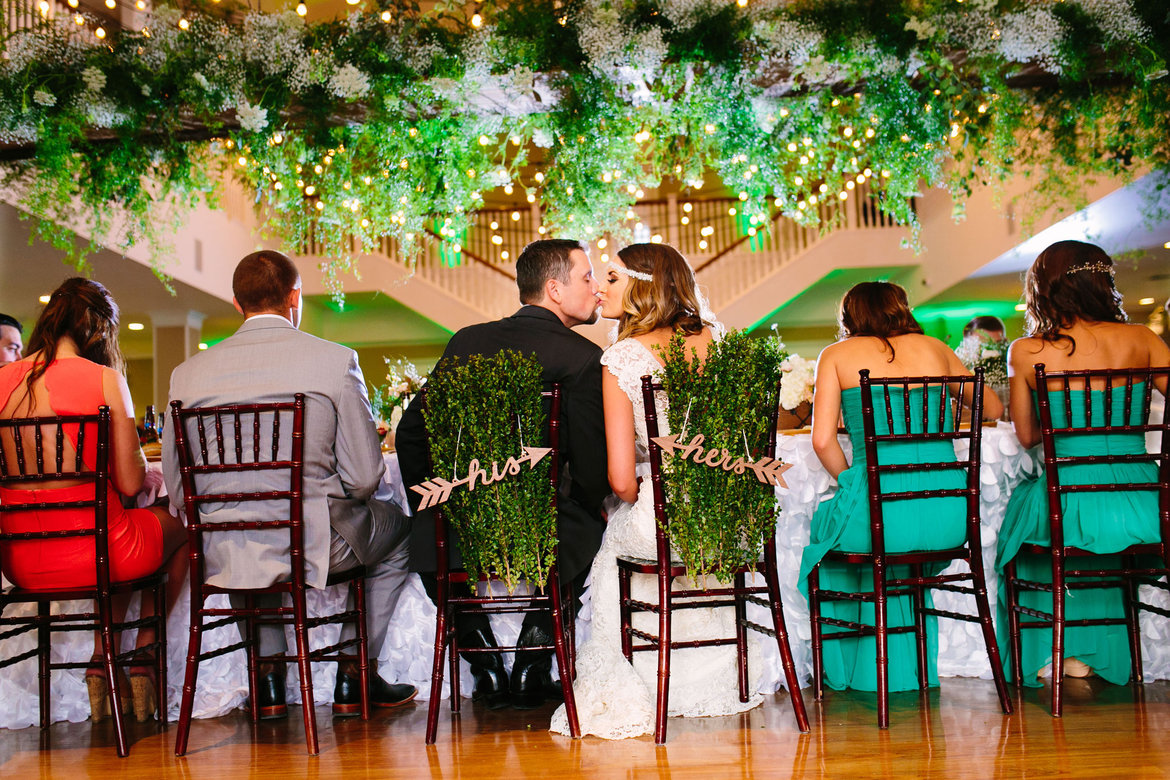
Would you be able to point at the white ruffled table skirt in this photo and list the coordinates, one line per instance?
(406, 656)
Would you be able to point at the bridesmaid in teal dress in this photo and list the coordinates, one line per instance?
(879, 333)
(1076, 322)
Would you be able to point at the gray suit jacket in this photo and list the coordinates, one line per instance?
(266, 360)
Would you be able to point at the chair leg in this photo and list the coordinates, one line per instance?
(1015, 650)
(44, 656)
(1131, 620)
(880, 637)
(741, 635)
(662, 703)
(300, 615)
(919, 601)
(194, 650)
(160, 616)
(359, 602)
(250, 634)
(570, 598)
(441, 633)
(625, 611)
(1057, 633)
(109, 661)
(814, 613)
(979, 583)
(564, 664)
(772, 578)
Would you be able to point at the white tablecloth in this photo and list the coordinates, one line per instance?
(406, 656)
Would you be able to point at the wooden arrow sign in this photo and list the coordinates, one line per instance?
(767, 470)
(438, 490)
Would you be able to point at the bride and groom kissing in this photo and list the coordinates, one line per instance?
(604, 508)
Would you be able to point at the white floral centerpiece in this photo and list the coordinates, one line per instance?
(403, 381)
(796, 387)
(979, 351)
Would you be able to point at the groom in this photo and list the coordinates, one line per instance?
(558, 291)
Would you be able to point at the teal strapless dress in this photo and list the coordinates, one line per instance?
(1098, 522)
(842, 523)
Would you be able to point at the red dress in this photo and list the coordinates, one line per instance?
(74, 386)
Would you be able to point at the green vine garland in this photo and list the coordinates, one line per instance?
(489, 408)
(374, 125)
(719, 519)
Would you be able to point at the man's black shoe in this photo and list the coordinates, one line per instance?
(347, 697)
(532, 671)
(270, 696)
(487, 669)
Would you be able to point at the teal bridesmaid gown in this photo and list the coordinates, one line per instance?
(842, 523)
(1099, 522)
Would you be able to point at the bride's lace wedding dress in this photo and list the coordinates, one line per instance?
(614, 699)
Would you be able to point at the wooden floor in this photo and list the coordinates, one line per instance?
(956, 731)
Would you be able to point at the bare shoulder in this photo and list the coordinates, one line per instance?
(1026, 348)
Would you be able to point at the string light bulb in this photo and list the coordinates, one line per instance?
(111, 4)
(184, 24)
(100, 32)
(302, 9)
(386, 16)
(476, 21)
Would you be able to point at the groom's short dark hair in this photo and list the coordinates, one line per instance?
(541, 261)
(263, 280)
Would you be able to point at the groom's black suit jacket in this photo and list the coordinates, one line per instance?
(565, 357)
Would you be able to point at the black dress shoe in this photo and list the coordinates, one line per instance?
(347, 697)
(270, 696)
(487, 669)
(532, 671)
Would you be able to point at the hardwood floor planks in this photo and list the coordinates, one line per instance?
(953, 731)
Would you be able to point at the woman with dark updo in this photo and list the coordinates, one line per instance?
(1075, 322)
(879, 333)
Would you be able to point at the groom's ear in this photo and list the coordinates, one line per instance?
(552, 290)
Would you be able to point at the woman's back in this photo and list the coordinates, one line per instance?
(1097, 345)
(913, 354)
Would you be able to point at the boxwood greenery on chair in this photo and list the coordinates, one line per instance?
(718, 518)
(489, 408)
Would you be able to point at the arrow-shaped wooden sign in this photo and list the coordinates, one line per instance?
(438, 490)
(767, 470)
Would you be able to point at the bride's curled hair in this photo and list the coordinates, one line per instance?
(670, 299)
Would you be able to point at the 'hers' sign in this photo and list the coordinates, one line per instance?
(767, 470)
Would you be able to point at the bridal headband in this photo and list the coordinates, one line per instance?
(1104, 268)
(621, 269)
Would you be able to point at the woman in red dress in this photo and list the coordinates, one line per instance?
(74, 366)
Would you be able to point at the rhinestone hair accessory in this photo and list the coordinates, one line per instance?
(1104, 268)
(621, 269)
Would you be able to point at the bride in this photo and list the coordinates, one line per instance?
(650, 290)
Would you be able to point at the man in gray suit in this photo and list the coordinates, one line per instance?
(268, 359)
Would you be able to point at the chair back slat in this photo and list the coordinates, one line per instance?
(650, 389)
(17, 434)
(940, 415)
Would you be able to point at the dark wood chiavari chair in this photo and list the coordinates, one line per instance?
(736, 596)
(912, 417)
(235, 443)
(1129, 414)
(555, 596)
(23, 462)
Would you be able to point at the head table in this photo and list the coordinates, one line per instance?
(406, 656)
